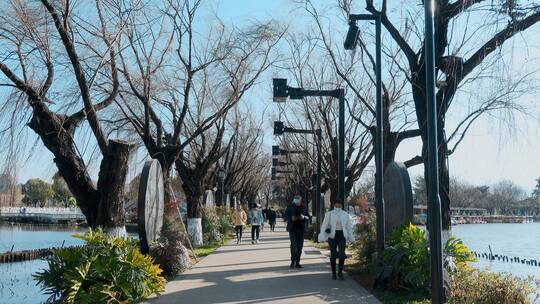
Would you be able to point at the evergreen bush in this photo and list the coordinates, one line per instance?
(107, 269)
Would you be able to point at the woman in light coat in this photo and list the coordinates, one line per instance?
(239, 218)
(337, 229)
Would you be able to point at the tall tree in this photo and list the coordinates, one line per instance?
(357, 69)
(458, 55)
(536, 191)
(60, 61)
(181, 80)
(244, 162)
(308, 68)
(61, 190)
(37, 192)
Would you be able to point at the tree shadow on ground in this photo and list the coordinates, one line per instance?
(266, 284)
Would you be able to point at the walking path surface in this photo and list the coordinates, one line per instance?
(260, 273)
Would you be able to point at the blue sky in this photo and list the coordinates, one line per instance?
(490, 152)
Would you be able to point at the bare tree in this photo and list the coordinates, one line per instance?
(357, 69)
(61, 65)
(246, 166)
(181, 82)
(459, 57)
(309, 69)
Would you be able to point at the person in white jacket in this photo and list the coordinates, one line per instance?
(337, 230)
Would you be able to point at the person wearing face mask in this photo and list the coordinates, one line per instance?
(296, 216)
(337, 230)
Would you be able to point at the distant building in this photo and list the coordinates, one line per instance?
(10, 192)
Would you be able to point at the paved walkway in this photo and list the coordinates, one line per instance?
(260, 273)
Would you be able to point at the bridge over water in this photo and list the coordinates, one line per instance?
(41, 215)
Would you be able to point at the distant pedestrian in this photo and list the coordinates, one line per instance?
(257, 220)
(296, 216)
(272, 215)
(263, 212)
(239, 218)
(337, 230)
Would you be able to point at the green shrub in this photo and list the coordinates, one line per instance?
(405, 259)
(456, 254)
(365, 244)
(216, 224)
(210, 226)
(406, 262)
(107, 270)
(225, 220)
(169, 251)
(472, 286)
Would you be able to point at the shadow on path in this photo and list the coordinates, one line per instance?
(260, 273)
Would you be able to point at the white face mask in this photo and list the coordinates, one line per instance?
(336, 208)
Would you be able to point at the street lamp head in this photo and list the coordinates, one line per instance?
(280, 89)
(274, 171)
(275, 162)
(278, 128)
(351, 40)
(275, 151)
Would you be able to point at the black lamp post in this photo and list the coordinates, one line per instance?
(282, 91)
(280, 129)
(434, 203)
(351, 41)
(221, 176)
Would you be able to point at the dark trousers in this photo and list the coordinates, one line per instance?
(272, 226)
(255, 232)
(238, 230)
(337, 251)
(297, 243)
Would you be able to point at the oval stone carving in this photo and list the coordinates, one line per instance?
(398, 197)
(150, 204)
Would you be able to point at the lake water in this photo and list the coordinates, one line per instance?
(17, 285)
(521, 240)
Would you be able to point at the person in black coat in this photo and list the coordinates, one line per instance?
(296, 216)
(272, 215)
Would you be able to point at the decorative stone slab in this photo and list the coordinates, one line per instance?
(209, 199)
(150, 204)
(398, 197)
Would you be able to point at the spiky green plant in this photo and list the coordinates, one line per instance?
(107, 269)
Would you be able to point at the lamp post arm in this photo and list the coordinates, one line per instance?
(299, 93)
(298, 131)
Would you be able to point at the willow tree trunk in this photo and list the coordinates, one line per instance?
(103, 205)
(192, 184)
(194, 214)
(444, 179)
(111, 181)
